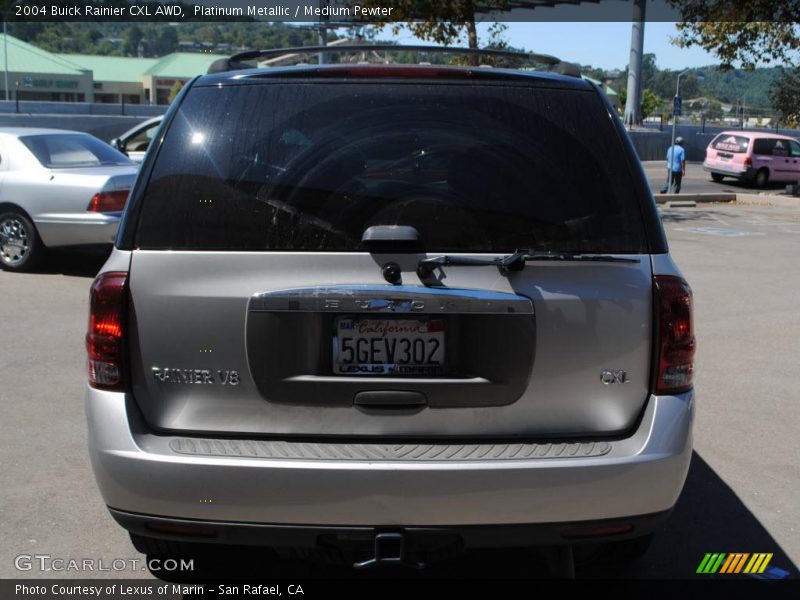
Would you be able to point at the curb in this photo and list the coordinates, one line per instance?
(712, 197)
(681, 200)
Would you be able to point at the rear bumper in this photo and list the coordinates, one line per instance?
(463, 536)
(745, 174)
(77, 229)
(142, 477)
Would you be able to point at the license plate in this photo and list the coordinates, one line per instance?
(388, 346)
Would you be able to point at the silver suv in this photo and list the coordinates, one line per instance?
(389, 308)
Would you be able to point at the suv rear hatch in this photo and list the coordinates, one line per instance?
(259, 307)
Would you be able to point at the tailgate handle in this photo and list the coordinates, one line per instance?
(389, 399)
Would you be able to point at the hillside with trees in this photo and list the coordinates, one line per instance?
(152, 39)
(157, 39)
(727, 87)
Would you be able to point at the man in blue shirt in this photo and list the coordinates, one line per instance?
(676, 164)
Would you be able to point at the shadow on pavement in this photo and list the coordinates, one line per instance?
(679, 216)
(80, 262)
(708, 517)
(750, 187)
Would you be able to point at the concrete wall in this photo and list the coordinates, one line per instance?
(652, 144)
(79, 108)
(103, 127)
(106, 122)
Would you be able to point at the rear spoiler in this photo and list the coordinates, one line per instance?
(243, 60)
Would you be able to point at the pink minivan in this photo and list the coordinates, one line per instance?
(759, 157)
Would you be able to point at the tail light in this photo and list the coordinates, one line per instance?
(105, 338)
(108, 201)
(748, 161)
(676, 343)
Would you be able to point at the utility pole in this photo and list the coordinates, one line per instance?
(5, 54)
(634, 100)
(323, 31)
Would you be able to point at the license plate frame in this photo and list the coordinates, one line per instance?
(426, 335)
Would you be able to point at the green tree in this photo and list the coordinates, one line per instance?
(649, 69)
(665, 81)
(713, 110)
(445, 22)
(166, 40)
(132, 38)
(785, 97)
(175, 90)
(650, 103)
(750, 32)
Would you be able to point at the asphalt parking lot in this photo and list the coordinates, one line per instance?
(741, 495)
(697, 181)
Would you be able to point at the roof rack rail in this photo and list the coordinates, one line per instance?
(239, 61)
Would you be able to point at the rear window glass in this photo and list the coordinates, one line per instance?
(730, 143)
(309, 166)
(64, 150)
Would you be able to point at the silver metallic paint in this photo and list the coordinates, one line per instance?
(137, 471)
(56, 199)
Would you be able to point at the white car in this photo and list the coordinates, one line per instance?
(58, 188)
(135, 142)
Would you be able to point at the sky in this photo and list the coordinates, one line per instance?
(600, 44)
(605, 45)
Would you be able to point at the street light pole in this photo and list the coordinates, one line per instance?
(674, 123)
(744, 110)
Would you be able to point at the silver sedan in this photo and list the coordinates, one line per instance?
(58, 188)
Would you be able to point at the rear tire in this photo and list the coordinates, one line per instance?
(208, 560)
(21, 249)
(762, 178)
(627, 551)
(716, 177)
(156, 548)
(161, 554)
(619, 553)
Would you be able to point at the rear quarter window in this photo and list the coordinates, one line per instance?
(771, 147)
(301, 166)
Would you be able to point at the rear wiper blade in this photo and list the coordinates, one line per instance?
(515, 261)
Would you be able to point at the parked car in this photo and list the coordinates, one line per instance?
(295, 345)
(135, 142)
(57, 188)
(758, 157)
